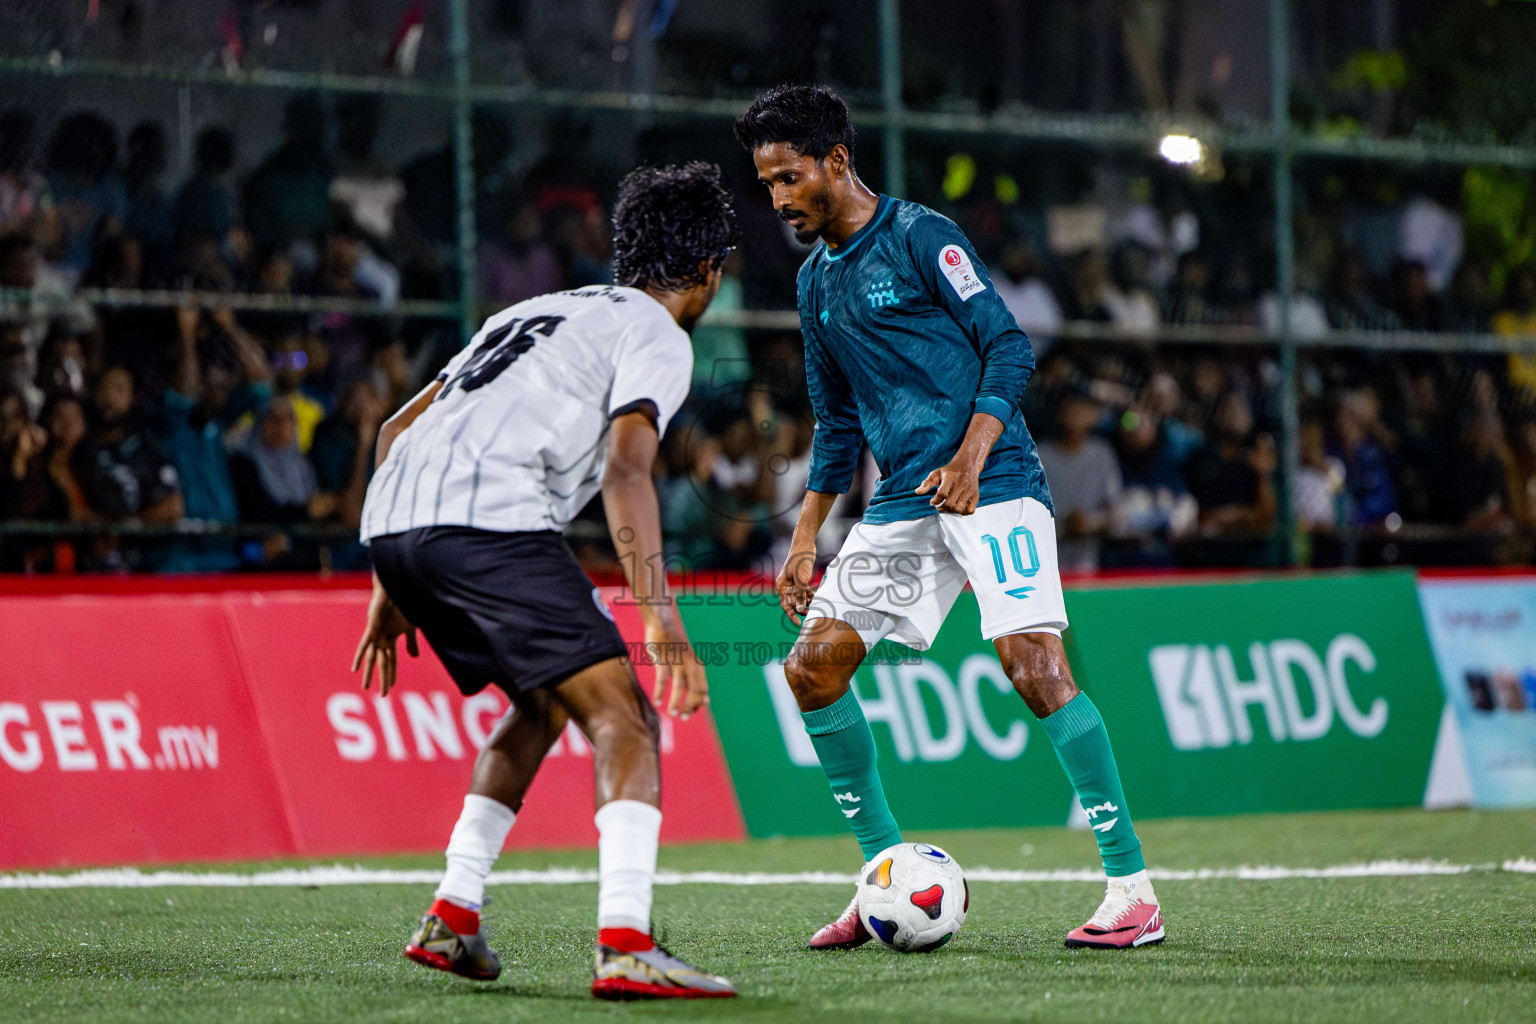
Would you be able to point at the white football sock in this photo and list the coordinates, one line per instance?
(1137, 885)
(473, 848)
(626, 863)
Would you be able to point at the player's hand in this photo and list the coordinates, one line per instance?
(676, 663)
(955, 485)
(377, 647)
(794, 585)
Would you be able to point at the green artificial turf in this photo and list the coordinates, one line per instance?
(1443, 948)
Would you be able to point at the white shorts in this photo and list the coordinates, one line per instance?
(900, 579)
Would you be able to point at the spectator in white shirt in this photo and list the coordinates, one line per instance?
(1084, 477)
(1028, 297)
(1430, 234)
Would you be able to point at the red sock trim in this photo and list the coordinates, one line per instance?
(625, 940)
(461, 919)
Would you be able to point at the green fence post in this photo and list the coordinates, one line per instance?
(1285, 265)
(463, 162)
(890, 95)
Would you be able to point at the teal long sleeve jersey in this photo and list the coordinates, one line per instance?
(905, 338)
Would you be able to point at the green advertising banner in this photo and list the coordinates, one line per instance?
(1221, 697)
(1267, 695)
(958, 748)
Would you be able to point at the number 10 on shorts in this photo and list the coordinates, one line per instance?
(1017, 557)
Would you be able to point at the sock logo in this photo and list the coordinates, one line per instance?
(1107, 807)
(850, 798)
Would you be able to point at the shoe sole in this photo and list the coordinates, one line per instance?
(1146, 940)
(850, 944)
(438, 962)
(622, 989)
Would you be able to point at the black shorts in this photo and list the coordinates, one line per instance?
(513, 609)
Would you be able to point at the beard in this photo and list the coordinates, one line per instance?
(819, 213)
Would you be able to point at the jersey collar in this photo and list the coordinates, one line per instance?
(881, 212)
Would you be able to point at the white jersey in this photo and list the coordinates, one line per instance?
(517, 437)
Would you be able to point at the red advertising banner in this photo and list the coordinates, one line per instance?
(158, 728)
(127, 734)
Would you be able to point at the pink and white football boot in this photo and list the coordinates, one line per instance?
(1129, 916)
(844, 933)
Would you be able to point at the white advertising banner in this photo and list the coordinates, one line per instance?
(1483, 633)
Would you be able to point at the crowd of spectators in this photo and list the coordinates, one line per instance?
(1168, 457)
(225, 438)
(1158, 461)
(218, 437)
(1168, 454)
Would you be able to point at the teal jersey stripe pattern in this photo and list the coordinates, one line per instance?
(905, 338)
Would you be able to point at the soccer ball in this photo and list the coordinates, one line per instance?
(913, 897)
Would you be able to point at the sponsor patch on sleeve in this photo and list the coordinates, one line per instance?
(956, 266)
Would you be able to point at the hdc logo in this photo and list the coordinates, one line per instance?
(934, 729)
(1206, 703)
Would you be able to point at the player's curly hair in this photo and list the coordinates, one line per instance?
(810, 118)
(672, 226)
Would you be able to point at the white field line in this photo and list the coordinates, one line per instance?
(340, 874)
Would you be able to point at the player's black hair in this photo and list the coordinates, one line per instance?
(667, 222)
(810, 118)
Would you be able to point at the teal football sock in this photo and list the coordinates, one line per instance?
(1082, 746)
(846, 748)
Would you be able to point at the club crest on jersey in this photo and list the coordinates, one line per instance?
(956, 268)
(882, 294)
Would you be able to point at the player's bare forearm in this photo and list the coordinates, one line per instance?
(385, 624)
(634, 523)
(956, 485)
(813, 513)
(980, 436)
(794, 583)
(634, 514)
(397, 424)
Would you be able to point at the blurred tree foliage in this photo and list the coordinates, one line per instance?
(1499, 218)
(1473, 74)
